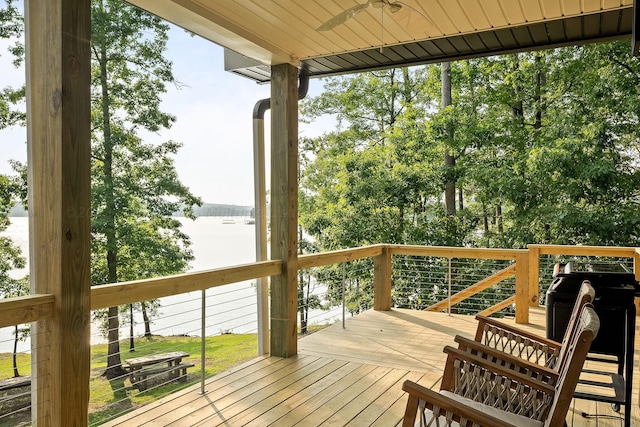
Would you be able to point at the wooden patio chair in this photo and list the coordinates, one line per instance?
(524, 344)
(511, 399)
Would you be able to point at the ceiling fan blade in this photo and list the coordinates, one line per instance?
(342, 17)
(400, 5)
(394, 7)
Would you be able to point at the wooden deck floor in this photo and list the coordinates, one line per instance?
(341, 377)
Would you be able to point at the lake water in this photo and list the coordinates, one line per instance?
(230, 308)
(214, 244)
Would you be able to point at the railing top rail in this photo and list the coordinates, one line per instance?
(454, 252)
(36, 307)
(141, 290)
(614, 251)
(334, 257)
(25, 309)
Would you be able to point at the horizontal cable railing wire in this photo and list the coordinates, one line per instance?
(419, 282)
(327, 293)
(15, 375)
(176, 326)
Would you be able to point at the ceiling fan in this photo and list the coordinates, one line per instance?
(344, 16)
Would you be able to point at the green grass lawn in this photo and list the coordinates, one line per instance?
(111, 398)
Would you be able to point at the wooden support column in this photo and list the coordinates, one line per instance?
(284, 209)
(522, 288)
(534, 276)
(59, 148)
(382, 280)
(636, 272)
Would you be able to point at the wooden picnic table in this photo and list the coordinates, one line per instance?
(141, 368)
(10, 385)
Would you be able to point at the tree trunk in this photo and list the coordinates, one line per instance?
(539, 83)
(15, 352)
(147, 321)
(517, 108)
(114, 363)
(449, 159)
(485, 218)
(132, 342)
(499, 217)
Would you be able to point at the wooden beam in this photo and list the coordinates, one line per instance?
(284, 209)
(31, 308)
(474, 289)
(59, 149)
(453, 252)
(522, 288)
(499, 306)
(613, 251)
(382, 280)
(336, 257)
(142, 290)
(534, 276)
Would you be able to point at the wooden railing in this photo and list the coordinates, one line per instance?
(15, 311)
(383, 272)
(524, 265)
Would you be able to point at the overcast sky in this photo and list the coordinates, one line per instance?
(214, 121)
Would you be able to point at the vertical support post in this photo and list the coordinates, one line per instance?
(522, 288)
(260, 206)
(284, 209)
(203, 340)
(449, 278)
(636, 272)
(344, 297)
(382, 280)
(534, 276)
(59, 155)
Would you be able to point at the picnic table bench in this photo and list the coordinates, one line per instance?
(145, 367)
(12, 384)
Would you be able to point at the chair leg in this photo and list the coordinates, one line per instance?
(411, 411)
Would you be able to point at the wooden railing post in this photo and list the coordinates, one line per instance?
(382, 280)
(522, 288)
(284, 209)
(58, 87)
(534, 276)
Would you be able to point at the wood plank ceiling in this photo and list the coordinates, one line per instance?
(381, 34)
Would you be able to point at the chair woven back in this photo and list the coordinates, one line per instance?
(576, 351)
(586, 295)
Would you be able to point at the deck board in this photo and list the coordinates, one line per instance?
(341, 377)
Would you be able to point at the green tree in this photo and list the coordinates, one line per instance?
(560, 161)
(135, 185)
(11, 28)
(542, 148)
(10, 255)
(11, 188)
(381, 178)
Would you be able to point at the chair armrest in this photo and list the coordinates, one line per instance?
(445, 405)
(518, 364)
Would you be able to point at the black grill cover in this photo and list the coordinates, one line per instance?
(615, 289)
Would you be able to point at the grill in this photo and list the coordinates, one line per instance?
(615, 289)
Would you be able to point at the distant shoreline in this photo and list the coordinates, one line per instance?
(207, 209)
